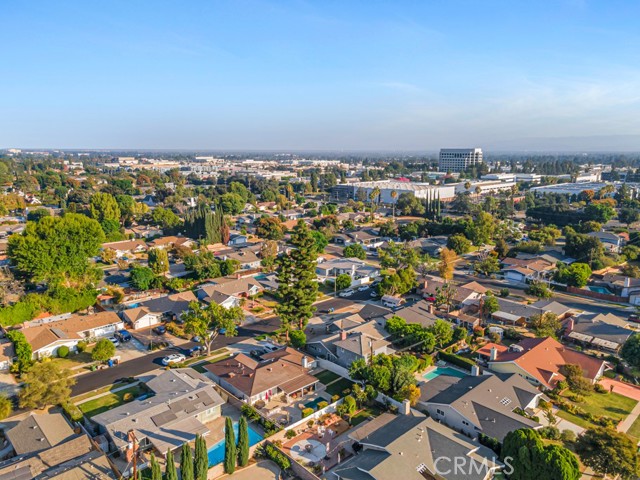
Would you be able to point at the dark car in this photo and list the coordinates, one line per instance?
(123, 336)
(634, 318)
(196, 351)
(160, 330)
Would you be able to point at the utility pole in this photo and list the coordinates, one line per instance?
(133, 441)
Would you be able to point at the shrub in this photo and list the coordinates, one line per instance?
(306, 412)
(72, 411)
(63, 351)
(81, 346)
(277, 456)
(127, 397)
(568, 436)
(290, 434)
(490, 442)
(550, 433)
(504, 292)
(457, 360)
(600, 389)
(322, 405)
(335, 398)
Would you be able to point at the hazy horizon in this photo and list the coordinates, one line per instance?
(298, 75)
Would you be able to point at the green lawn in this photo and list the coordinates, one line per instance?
(338, 387)
(326, 376)
(200, 367)
(364, 414)
(109, 401)
(612, 405)
(74, 360)
(634, 431)
(93, 393)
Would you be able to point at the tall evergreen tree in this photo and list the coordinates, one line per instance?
(229, 447)
(156, 473)
(186, 463)
(170, 472)
(297, 288)
(243, 442)
(201, 459)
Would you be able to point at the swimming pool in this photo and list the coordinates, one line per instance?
(600, 290)
(451, 372)
(314, 403)
(216, 453)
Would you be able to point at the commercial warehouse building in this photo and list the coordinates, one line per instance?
(419, 190)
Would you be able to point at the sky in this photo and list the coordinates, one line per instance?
(320, 75)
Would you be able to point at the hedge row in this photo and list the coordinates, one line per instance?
(457, 360)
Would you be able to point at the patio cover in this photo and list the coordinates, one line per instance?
(506, 316)
(298, 383)
(581, 336)
(605, 343)
(177, 434)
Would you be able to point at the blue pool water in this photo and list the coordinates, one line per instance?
(600, 290)
(314, 403)
(452, 372)
(216, 453)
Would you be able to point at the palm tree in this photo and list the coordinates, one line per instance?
(373, 196)
(394, 194)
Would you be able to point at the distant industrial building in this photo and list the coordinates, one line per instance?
(458, 159)
(569, 188)
(419, 190)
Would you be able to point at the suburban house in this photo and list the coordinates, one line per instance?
(429, 286)
(409, 447)
(557, 308)
(422, 313)
(432, 246)
(524, 271)
(355, 268)
(610, 241)
(514, 313)
(183, 402)
(144, 231)
(283, 373)
(125, 247)
(603, 331)
(172, 241)
(486, 404)
(246, 258)
(229, 292)
(237, 239)
(46, 447)
(47, 335)
(366, 239)
(623, 286)
(359, 342)
(540, 361)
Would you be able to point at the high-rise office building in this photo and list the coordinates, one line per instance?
(458, 159)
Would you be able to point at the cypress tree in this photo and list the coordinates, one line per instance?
(243, 442)
(170, 472)
(156, 473)
(186, 463)
(201, 459)
(229, 447)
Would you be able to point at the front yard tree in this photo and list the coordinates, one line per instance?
(443, 332)
(608, 452)
(487, 264)
(170, 472)
(103, 350)
(186, 462)
(343, 281)
(490, 305)
(156, 472)
(207, 322)
(142, 278)
(546, 325)
(243, 442)
(630, 351)
(355, 250)
(6, 407)
(297, 285)
(45, 384)
(447, 263)
(229, 447)
(158, 260)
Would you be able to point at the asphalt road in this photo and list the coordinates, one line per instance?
(139, 366)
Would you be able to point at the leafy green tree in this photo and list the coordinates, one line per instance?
(398, 283)
(481, 230)
(321, 241)
(104, 207)
(230, 455)
(232, 203)
(399, 256)
(103, 350)
(490, 305)
(343, 281)
(156, 472)
(158, 260)
(501, 247)
(207, 322)
(269, 228)
(630, 351)
(56, 248)
(576, 274)
(45, 384)
(459, 244)
(347, 408)
(539, 289)
(629, 215)
(608, 452)
(37, 214)
(6, 407)
(22, 349)
(487, 265)
(170, 472)
(546, 325)
(298, 338)
(297, 286)
(201, 461)
(443, 332)
(600, 212)
(165, 218)
(243, 442)
(142, 278)
(355, 250)
(186, 462)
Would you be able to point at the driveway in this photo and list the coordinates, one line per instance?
(622, 388)
(264, 470)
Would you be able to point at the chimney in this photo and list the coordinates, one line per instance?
(405, 408)
(475, 371)
(431, 308)
(305, 362)
(494, 354)
(343, 335)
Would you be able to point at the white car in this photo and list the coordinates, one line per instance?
(363, 288)
(175, 358)
(346, 293)
(115, 341)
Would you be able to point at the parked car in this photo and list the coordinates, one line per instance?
(346, 293)
(160, 330)
(196, 339)
(115, 341)
(174, 358)
(374, 293)
(430, 299)
(123, 336)
(363, 288)
(634, 318)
